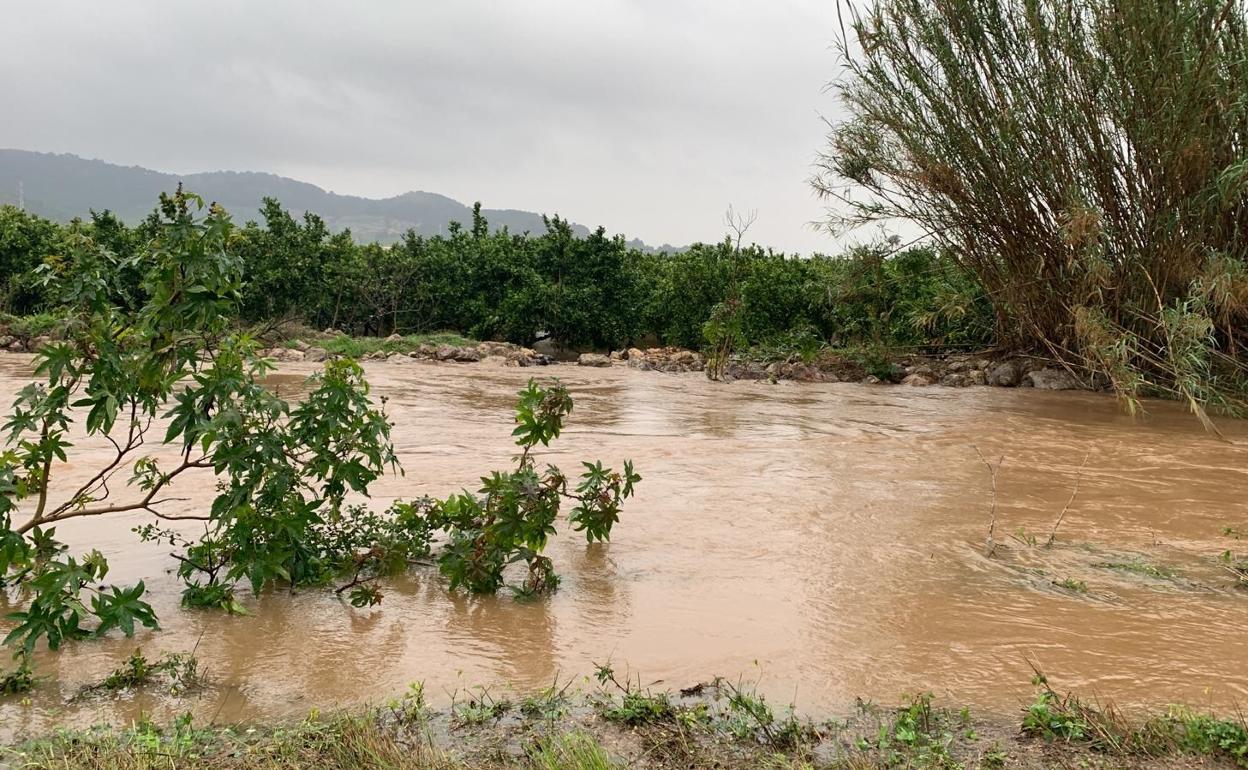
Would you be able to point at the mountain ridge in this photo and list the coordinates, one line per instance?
(62, 186)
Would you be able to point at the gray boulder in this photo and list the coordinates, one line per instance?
(751, 370)
(1050, 378)
(1006, 375)
(593, 359)
(502, 349)
(807, 373)
(527, 357)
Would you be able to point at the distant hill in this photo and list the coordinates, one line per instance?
(62, 186)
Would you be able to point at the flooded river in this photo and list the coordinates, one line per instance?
(823, 540)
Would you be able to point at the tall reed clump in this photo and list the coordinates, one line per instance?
(1086, 160)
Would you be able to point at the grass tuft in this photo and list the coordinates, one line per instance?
(1140, 567)
(571, 751)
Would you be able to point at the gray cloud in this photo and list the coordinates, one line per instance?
(647, 116)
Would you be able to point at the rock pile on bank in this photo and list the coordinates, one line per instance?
(778, 370)
(301, 351)
(952, 371)
(16, 345)
(963, 371)
(511, 355)
(671, 360)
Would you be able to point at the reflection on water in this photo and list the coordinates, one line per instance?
(826, 539)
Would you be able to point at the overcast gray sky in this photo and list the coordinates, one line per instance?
(647, 116)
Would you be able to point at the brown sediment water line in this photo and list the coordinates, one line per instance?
(823, 540)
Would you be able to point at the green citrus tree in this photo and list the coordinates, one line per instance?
(169, 381)
(115, 374)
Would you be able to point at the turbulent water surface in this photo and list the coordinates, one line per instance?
(826, 541)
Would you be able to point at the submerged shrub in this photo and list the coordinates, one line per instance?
(180, 669)
(279, 469)
(514, 513)
(286, 475)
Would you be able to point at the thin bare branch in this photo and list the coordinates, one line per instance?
(990, 544)
(1065, 508)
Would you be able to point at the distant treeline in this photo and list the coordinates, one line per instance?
(583, 292)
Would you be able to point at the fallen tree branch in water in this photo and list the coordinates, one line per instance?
(1065, 508)
(989, 543)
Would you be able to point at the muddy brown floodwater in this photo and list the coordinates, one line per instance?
(823, 540)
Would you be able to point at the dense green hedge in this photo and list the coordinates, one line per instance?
(592, 291)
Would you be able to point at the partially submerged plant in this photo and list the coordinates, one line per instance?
(279, 469)
(514, 514)
(475, 538)
(1237, 566)
(1071, 584)
(635, 706)
(20, 679)
(548, 704)
(1138, 566)
(916, 733)
(180, 669)
(411, 707)
(749, 714)
(1071, 719)
(284, 473)
(479, 708)
(724, 334)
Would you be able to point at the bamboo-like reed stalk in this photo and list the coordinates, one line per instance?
(1087, 160)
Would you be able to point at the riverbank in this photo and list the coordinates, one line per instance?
(295, 343)
(712, 725)
(824, 364)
